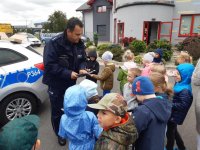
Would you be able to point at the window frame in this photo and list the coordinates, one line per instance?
(101, 9)
(24, 58)
(191, 26)
(101, 25)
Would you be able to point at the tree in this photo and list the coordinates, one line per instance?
(56, 22)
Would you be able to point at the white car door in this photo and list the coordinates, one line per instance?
(2, 77)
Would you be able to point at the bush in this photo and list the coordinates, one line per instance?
(164, 45)
(125, 41)
(192, 46)
(138, 59)
(137, 47)
(89, 43)
(116, 49)
(102, 48)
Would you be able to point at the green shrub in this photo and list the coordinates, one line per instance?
(137, 46)
(192, 46)
(89, 43)
(102, 48)
(164, 45)
(116, 49)
(138, 59)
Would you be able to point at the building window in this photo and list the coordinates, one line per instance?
(101, 30)
(101, 9)
(190, 25)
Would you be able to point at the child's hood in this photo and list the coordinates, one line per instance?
(160, 107)
(111, 66)
(185, 70)
(75, 101)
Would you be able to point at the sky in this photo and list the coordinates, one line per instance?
(27, 12)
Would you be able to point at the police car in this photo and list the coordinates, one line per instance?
(21, 88)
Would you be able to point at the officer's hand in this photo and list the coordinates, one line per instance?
(92, 75)
(83, 71)
(74, 75)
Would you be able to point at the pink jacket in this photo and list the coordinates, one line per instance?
(146, 70)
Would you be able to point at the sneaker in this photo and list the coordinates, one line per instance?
(61, 141)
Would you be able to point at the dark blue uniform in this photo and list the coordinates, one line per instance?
(61, 57)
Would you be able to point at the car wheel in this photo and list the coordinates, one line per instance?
(16, 106)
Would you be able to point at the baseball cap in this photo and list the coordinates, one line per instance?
(107, 56)
(142, 86)
(20, 133)
(113, 102)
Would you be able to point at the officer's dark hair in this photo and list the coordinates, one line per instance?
(72, 22)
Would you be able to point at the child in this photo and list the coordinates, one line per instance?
(184, 57)
(20, 134)
(158, 54)
(78, 126)
(147, 61)
(181, 103)
(119, 129)
(160, 69)
(150, 116)
(128, 59)
(161, 87)
(91, 93)
(128, 96)
(92, 65)
(106, 76)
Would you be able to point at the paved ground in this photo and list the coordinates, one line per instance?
(49, 140)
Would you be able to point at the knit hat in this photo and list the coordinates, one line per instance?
(90, 88)
(159, 51)
(113, 102)
(107, 56)
(148, 57)
(142, 86)
(20, 133)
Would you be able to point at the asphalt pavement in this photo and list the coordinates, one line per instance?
(49, 140)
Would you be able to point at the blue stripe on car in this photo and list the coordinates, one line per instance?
(30, 75)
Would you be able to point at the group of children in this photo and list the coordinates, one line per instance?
(146, 111)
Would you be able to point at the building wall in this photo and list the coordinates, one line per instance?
(88, 24)
(181, 7)
(124, 2)
(134, 27)
(102, 18)
(111, 26)
(134, 17)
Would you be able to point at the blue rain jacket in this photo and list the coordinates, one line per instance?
(78, 126)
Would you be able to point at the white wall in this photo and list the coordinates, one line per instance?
(123, 2)
(88, 16)
(134, 17)
(111, 26)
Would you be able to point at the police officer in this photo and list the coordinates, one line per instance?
(64, 58)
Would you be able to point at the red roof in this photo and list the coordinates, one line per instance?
(90, 2)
